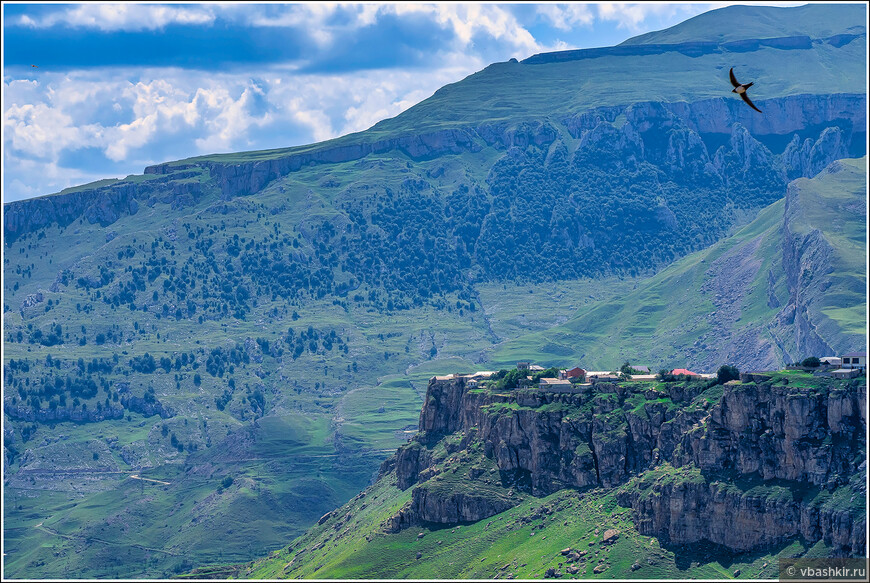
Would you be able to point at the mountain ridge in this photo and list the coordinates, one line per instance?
(253, 332)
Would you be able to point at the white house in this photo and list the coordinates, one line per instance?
(855, 360)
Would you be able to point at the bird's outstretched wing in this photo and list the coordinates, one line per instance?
(748, 102)
(733, 80)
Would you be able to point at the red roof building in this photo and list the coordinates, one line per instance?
(575, 373)
(683, 371)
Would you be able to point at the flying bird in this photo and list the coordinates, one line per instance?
(37, 66)
(740, 90)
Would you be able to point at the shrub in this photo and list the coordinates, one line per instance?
(727, 373)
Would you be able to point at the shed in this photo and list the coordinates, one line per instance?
(845, 373)
(552, 384)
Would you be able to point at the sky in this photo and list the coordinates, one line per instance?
(102, 90)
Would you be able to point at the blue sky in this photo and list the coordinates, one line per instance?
(117, 87)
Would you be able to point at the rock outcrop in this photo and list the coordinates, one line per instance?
(780, 432)
(693, 510)
(102, 204)
(810, 263)
(681, 458)
(839, 118)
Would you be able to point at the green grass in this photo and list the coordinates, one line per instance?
(740, 22)
(193, 518)
(330, 418)
(524, 541)
(834, 204)
(667, 305)
(661, 319)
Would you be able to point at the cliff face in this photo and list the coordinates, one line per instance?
(690, 511)
(812, 265)
(692, 460)
(779, 432)
(102, 204)
(834, 121)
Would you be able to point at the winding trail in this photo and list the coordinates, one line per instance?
(136, 477)
(91, 539)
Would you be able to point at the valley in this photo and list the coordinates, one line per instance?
(634, 479)
(202, 361)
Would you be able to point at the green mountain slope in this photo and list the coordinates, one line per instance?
(272, 317)
(757, 22)
(800, 263)
(636, 480)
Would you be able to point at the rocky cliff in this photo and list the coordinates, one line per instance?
(679, 137)
(686, 507)
(103, 203)
(820, 254)
(781, 458)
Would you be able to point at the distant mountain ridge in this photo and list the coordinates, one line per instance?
(252, 329)
(735, 29)
(730, 23)
(788, 285)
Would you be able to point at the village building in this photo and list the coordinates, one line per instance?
(643, 377)
(854, 360)
(641, 369)
(845, 373)
(682, 371)
(831, 361)
(576, 373)
(522, 366)
(554, 384)
(600, 376)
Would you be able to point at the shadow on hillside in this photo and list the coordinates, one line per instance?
(707, 552)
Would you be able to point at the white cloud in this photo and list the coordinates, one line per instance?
(290, 15)
(38, 130)
(567, 16)
(631, 16)
(228, 120)
(130, 17)
(468, 20)
(143, 116)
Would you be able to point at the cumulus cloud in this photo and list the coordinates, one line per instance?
(140, 117)
(638, 18)
(39, 131)
(115, 17)
(567, 16)
(470, 20)
(120, 119)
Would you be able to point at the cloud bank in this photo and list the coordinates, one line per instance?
(121, 86)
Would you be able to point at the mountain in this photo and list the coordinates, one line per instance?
(790, 284)
(250, 334)
(642, 479)
(737, 23)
